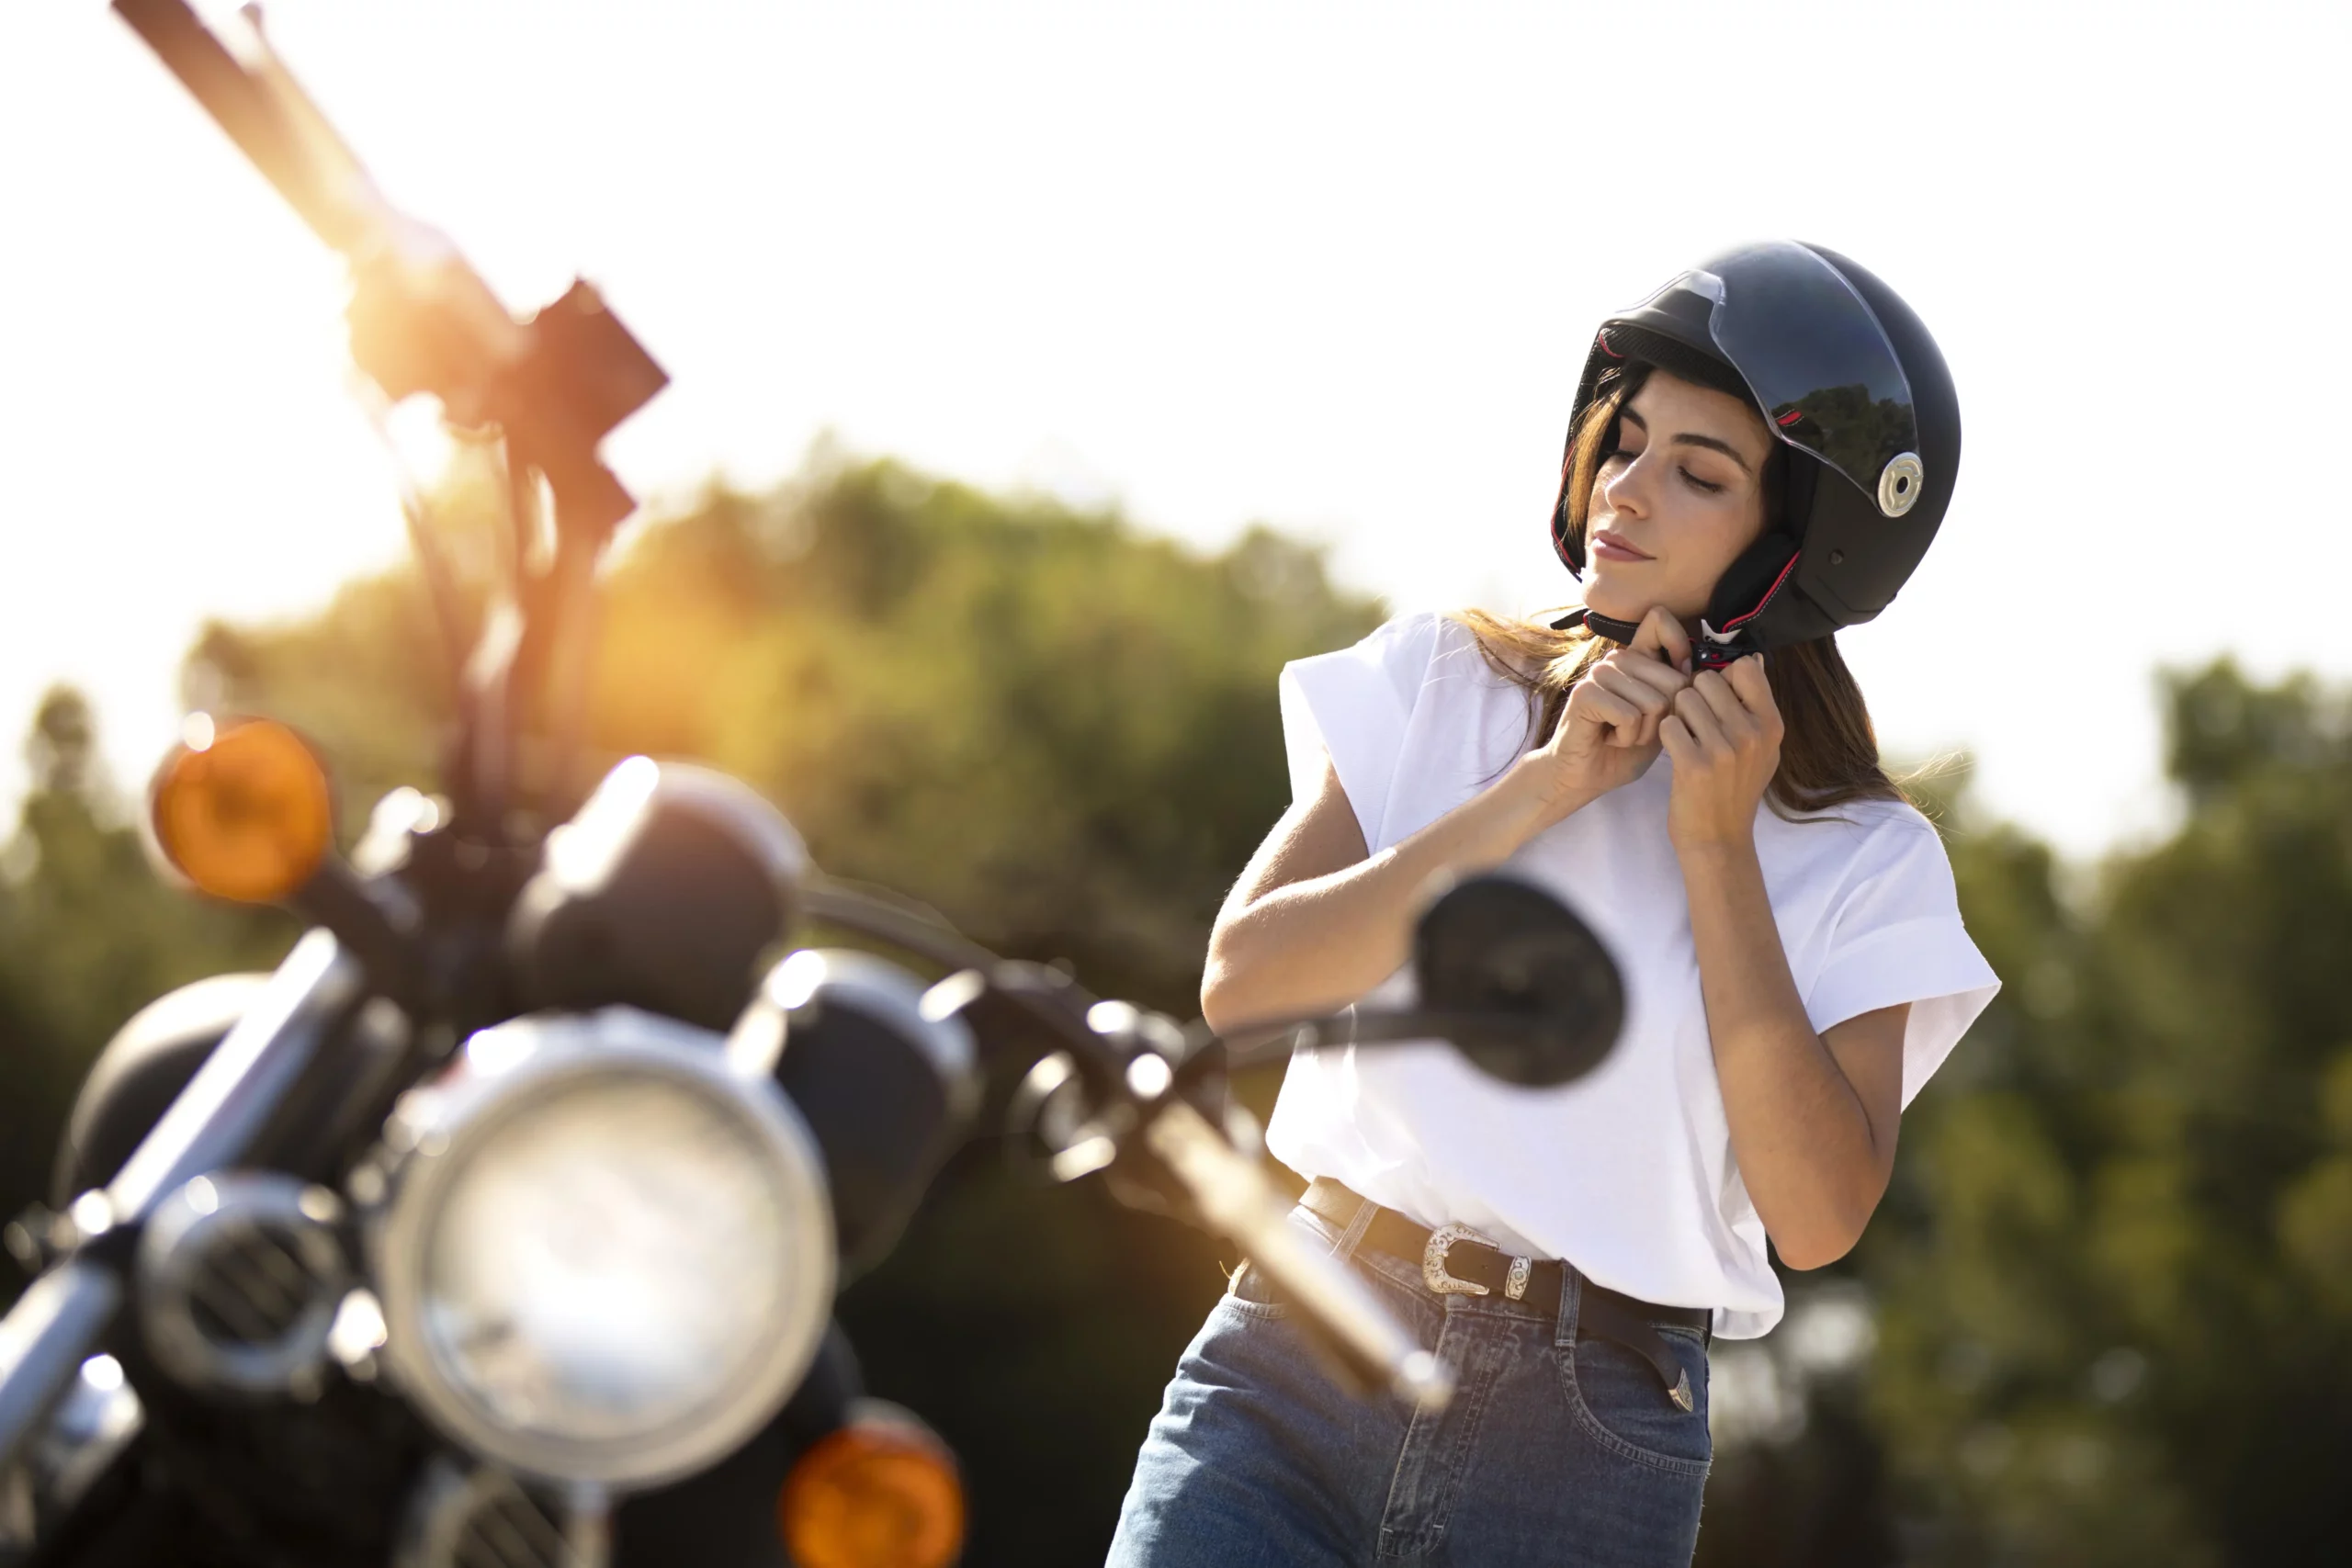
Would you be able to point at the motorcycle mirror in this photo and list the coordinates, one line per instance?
(1541, 999)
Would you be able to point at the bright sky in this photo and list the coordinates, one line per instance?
(1333, 268)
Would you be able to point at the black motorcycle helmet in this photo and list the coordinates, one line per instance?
(1845, 373)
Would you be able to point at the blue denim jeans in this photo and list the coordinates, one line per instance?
(1557, 1450)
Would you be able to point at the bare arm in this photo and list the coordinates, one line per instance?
(1813, 1116)
(1315, 922)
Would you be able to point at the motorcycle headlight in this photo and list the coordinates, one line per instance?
(606, 1256)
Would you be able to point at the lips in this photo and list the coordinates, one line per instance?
(1612, 547)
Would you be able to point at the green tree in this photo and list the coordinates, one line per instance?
(2114, 1325)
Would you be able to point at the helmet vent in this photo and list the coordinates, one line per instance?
(1899, 484)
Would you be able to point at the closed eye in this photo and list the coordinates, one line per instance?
(1703, 486)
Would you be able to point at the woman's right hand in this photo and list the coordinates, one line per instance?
(1608, 734)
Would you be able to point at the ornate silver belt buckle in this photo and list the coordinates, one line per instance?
(1433, 1272)
(1434, 1276)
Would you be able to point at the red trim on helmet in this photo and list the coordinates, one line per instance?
(1791, 417)
(1734, 623)
(1602, 338)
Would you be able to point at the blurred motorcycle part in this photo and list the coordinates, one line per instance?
(882, 1492)
(663, 893)
(887, 1081)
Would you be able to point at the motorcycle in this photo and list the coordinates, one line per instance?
(504, 1222)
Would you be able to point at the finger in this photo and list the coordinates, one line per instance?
(1698, 717)
(1644, 691)
(1647, 703)
(1662, 637)
(1675, 736)
(1613, 713)
(1753, 685)
(1721, 700)
(1649, 670)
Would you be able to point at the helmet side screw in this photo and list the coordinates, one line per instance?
(1899, 484)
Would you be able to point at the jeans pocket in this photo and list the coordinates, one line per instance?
(1621, 1405)
(1253, 1292)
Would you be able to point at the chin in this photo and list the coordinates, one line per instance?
(1608, 593)
(1614, 601)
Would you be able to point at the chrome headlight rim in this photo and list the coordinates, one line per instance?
(514, 1067)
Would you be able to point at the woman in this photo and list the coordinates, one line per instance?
(1759, 454)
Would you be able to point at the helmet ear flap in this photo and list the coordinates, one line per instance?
(1751, 582)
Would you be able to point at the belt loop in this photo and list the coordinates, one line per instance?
(1344, 1248)
(1563, 1331)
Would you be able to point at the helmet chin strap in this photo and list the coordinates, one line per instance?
(1711, 652)
(1599, 625)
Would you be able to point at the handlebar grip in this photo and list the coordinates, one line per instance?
(1373, 1348)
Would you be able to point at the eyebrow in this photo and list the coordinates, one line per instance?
(1692, 438)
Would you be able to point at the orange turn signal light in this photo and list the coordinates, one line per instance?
(875, 1494)
(241, 809)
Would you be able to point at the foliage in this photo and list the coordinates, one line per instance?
(1059, 732)
(2115, 1321)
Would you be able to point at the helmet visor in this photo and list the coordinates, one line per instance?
(1818, 362)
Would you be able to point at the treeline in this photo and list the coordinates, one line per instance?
(2109, 1298)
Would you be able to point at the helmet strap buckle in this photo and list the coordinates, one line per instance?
(1715, 649)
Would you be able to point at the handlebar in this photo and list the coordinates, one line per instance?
(247, 110)
(1226, 1187)
(218, 1118)
(216, 1123)
(1373, 1348)
(422, 319)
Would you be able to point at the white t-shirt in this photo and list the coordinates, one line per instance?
(1628, 1172)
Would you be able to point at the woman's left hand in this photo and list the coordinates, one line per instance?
(1724, 738)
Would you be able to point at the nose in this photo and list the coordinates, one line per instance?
(1628, 490)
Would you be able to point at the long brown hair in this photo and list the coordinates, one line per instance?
(1828, 749)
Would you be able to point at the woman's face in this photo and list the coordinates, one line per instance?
(1675, 502)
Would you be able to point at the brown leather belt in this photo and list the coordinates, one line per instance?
(1454, 1261)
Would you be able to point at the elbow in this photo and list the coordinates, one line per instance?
(1806, 1248)
(1832, 1226)
(1221, 1005)
(1213, 1001)
(1810, 1255)
(1232, 988)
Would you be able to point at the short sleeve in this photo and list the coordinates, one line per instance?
(1898, 937)
(1353, 707)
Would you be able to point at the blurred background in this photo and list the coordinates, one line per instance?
(1047, 375)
